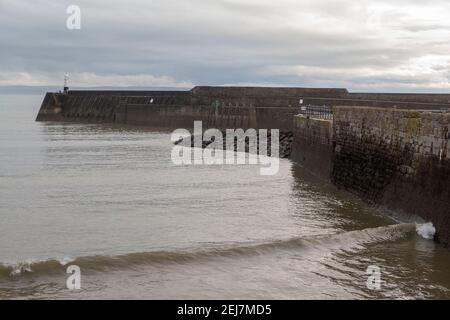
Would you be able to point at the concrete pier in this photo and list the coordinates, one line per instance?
(390, 149)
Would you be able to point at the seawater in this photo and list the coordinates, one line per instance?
(109, 200)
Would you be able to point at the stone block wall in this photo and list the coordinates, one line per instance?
(397, 158)
(313, 145)
(391, 156)
(51, 107)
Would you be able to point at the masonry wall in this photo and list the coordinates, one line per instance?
(389, 156)
(313, 145)
(263, 107)
(397, 158)
(169, 109)
(51, 108)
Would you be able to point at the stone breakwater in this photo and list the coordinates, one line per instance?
(396, 158)
(216, 107)
(390, 149)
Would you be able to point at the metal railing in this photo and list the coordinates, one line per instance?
(320, 112)
(441, 110)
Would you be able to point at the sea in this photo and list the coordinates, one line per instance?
(96, 211)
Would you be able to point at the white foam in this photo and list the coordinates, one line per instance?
(65, 260)
(21, 268)
(426, 230)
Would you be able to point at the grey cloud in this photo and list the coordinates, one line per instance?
(211, 42)
(425, 27)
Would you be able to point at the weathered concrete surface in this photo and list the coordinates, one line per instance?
(257, 107)
(397, 158)
(51, 108)
(218, 107)
(313, 145)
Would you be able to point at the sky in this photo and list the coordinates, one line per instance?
(361, 45)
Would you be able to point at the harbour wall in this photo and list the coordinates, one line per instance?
(399, 159)
(255, 107)
(168, 110)
(390, 149)
(313, 145)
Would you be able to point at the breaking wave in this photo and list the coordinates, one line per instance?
(352, 240)
(426, 230)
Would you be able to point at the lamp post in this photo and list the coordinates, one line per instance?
(66, 83)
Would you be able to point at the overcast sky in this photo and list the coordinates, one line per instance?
(362, 45)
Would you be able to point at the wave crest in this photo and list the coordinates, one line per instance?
(352, 240)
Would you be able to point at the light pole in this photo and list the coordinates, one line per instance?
(66, 83)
